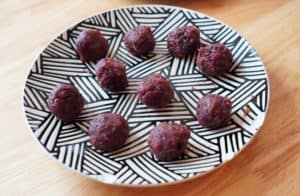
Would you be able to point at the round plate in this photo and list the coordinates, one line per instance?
(246, 84)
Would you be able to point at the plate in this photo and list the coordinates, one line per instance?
(246, 84)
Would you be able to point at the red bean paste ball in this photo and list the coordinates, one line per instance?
(91, 45)
(139, 40)
(213, 110)
(167, 141)
(108, 132)
(214, 60)
(65, 102)
(111, 75)
(183, 41)
(155, 91)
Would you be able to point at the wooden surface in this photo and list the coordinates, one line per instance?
(270, 165)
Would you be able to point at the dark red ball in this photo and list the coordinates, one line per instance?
(65, 102)
(111, 74)
(139, 40)
(167, 141)
(213, 110)
(155, 91)
(214, 60)
(108, 132)
(91, 45)
(183, 41)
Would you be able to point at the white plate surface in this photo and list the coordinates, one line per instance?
(246, 85)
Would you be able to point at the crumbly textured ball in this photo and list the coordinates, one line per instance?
(183, 41)
(155, 91)
(167, 141)
(139, 40)
(108, 132)
(213, 110)
(91, 45)
(214, 60)
(111, 75)
(65, 102)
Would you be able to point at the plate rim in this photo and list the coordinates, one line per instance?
(118, 184)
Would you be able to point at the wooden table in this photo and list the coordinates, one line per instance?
(270, 165)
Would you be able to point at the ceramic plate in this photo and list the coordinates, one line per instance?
(246, 84)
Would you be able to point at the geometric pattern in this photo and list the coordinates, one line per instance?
(246, 84)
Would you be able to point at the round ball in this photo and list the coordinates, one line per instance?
(111, 75)
(65, 102)
(155, 91)
(213, 110)
(167, 141)
(108, 132)
(139, 40)
(183, 41)
(91, 45)
(214, 60)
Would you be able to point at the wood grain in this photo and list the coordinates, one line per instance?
(270, 165)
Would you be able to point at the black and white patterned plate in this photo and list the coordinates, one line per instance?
(246, 85)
